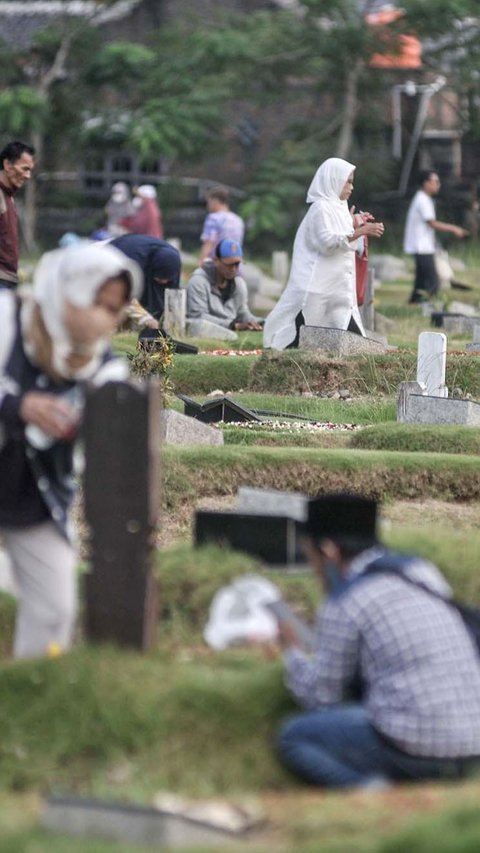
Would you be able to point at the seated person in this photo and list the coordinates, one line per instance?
(217, 293)
(386, 624)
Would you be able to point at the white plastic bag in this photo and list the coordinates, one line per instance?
(238, 613)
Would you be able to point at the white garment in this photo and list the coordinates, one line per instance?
(419, 236)
(44, 568)
(322, 277)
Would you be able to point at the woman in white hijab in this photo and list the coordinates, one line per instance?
(53, 343)
(321, 288)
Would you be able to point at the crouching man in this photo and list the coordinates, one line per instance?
(217, 293)
(388, 627)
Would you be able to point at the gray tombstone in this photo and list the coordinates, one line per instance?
(122, 502)
(174, 318)
(431, 363)
(404, 391)
(280, 266)
(272, 502)
(367, 310)
(474, 347)
(206, 329)
(338, 342)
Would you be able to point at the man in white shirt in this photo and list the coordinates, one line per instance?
(419, 239)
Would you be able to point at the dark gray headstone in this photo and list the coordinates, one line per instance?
(272, 538)
(122, 502)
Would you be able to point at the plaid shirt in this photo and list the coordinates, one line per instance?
(419, 667)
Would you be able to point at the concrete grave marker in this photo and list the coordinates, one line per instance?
(431, 363)
(280, 266)
(474, 347)
(339, 342)
(272, 502)
(367, 310)
(206, 329)
(159, 828)
(122, 501)
(174, 318)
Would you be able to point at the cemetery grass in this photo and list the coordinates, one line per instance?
(123, 726)
(191, 473)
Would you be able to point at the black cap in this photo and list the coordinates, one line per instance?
(342, 518)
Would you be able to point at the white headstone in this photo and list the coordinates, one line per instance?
(280, 266)
(174, 318)
(432, 362)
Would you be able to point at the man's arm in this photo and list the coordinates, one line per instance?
(244, 319)
(456, 230)
(322, 678)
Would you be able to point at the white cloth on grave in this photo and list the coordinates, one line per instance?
(322, 277)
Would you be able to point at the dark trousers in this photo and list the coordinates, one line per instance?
(426, 278)
(338, 748)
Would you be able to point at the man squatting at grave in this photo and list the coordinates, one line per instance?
(53, 343)
(386, 626)
(218, 294)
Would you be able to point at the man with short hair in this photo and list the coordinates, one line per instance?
(387, 627)
(220, 224)
(217, 293)
(419, 239)
(16, 161)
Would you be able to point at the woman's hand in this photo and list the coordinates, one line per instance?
(50, 413)
(372, 229)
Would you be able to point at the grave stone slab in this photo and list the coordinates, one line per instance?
(175, 313)
(179, 429)
(280, 266)
(272, 538)
(442, 411)
(405, 389)
(387, 267)
(206, 329)
(474, 347)
(431, 363)
(125, 823)
(338, 342)
(463, 308)
(367, 310)
(460, 325)
(122, 501)
(272, 502)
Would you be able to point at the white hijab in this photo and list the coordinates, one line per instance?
(75, 275)
(329, 180)
(327, 185)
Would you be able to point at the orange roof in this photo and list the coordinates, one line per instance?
(408, 50)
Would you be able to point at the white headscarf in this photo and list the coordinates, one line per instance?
(75, 275)
(329, 180)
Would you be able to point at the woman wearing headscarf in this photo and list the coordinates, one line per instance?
(118, 207)
(161, 264)
(53, 343)
(147, 217)
(321, 288)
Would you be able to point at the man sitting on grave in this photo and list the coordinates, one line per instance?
(388, 627)
(218, 294)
